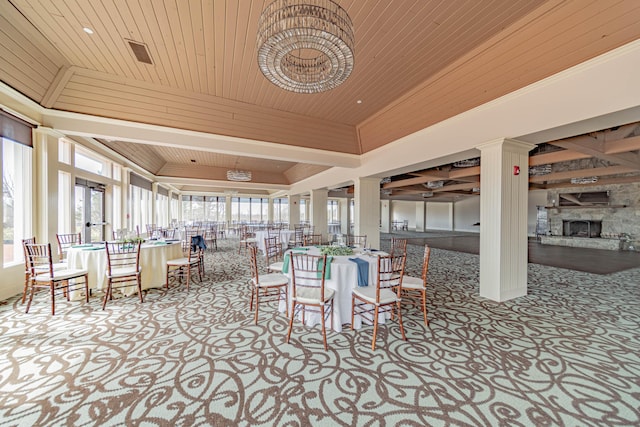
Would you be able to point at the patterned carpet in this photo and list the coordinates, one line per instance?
(568, 354)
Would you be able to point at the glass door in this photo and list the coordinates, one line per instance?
(89, 210)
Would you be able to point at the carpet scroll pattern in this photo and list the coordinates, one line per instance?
(566, 354)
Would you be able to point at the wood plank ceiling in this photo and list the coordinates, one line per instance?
(417, 62)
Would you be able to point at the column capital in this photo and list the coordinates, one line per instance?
(512, 145)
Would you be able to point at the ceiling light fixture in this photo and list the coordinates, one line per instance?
(585, 180)
(540, 170)
(238, 175)
(87, 30)
(305, 46)
(469, 163)
(427, 194)
(435, 184)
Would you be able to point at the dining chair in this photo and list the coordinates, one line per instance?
(416, 287)
(120, 234)
(398, 246)
(266, 287)
(370, 302)
(211, 235)
(65, 241)
(151, 230)
(169, 233)
(273, 255)
(43, 275)
(358, 241)
(247, 238)
(181, 268)
(309, 292)
(297, 238)
(123, 266)
(27, 269)
(191, 236)
(312, 239)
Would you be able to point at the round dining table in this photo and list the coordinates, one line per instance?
(343, 278)
(153, 262)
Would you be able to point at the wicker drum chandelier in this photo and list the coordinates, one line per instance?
(305, 46)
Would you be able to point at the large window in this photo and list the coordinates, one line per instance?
(162, 208)
(175, 202)
(16, 199)
(249, 209)
(216, 208)
(193, 208)
(140, 202)
(281, 210)
(303, 212)
(333, 214)
(90, 162)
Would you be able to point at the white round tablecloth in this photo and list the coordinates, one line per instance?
(343, 278)
(153, 261)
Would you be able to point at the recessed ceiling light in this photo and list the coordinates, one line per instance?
(87, 30)
(359, 101)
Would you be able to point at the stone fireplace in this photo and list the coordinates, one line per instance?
(581, 228)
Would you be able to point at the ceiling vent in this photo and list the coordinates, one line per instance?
(140, 51)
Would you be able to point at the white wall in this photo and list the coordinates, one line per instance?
(466, 212)
(401, 210)
(439, 216)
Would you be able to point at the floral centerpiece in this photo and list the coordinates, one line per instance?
(134, 240)
(336, 250)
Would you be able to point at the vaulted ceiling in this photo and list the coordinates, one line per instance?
(418, 62)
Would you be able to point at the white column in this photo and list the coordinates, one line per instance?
(318, 211)
(45, 204)
(270, 211)
(420, 216)
(344, 215)
(367, 210)
(294, 210)
(503, 219)
(227, 209)
(385, 216)
(170, 212)
(154, 203)
(126, 189)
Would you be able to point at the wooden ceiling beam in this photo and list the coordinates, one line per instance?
(623, 145)
(412, 181)
(454, 187)
(582, 173)
(600, 182)
(464, 172)
(597, 149)
(556, 157)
